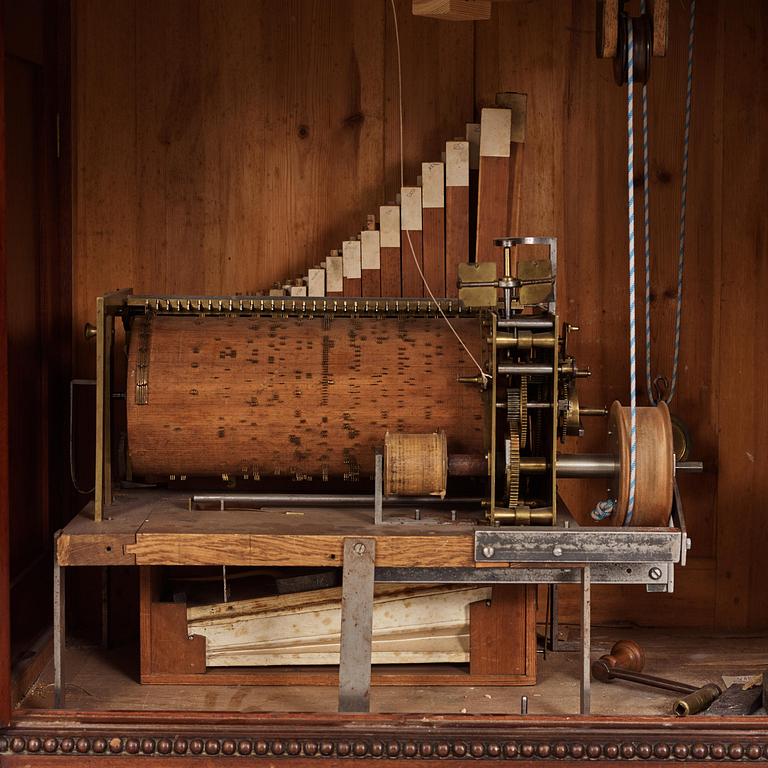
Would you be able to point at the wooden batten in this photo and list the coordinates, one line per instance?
(411, 225)
(456, 212)
(370, 262)
(493, 183)
(316, 282)
(391, 276)
(351, 268)
(334, 275)
(433, 221)
(453, 10)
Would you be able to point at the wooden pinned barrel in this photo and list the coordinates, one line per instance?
(297, 398)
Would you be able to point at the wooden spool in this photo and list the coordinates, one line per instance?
(293, 398)
(655, 464)
(415, 465)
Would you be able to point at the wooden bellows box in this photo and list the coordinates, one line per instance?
(486, 641)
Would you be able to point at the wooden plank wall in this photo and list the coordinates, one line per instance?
(574, 186)
(224, 145)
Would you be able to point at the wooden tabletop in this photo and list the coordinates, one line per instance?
(149, 527)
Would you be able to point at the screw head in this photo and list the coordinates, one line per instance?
(359, 548)
(655, 573)
(488, 550)
(557, 551)
(687, 543)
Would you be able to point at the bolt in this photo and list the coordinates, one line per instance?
(454, 513)
(488, 550)
(655, 573)
(557, 551)
(687, 543)
(523, 705)
(359, 548)
(418, 514)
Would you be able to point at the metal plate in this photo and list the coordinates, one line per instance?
(602, 573)
(483, 272)
(561, 545)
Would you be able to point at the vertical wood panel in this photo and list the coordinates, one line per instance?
(5, 575)
(742, 534)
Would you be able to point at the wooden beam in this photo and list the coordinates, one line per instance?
(456, 212)
(351, 266)
(334, 275)
(5, 555)
(391, 276)
(453, 10)
(412, 230)
(370, 260)
(316, 282)
(493, 182)
(433, 221)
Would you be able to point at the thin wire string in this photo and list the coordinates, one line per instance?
(485, 376)
(652, 390)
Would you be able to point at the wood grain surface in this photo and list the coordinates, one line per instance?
(295, 398)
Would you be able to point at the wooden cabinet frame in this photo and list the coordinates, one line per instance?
(55, 738)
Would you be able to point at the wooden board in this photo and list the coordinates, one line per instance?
(493, 184)
(351, 268)
(411, 224)
(391, 275)
(456, 212)
(433, 222)
(503, 633)
(412, 624)
(370, 255)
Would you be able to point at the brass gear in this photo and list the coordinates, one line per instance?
(517, 411)
(513, 471)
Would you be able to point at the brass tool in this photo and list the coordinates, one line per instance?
(626, 661)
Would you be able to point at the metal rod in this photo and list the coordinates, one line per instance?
(619, 673)
(59, 627)
(586, 639)
(525, 321)
(378, 492)
(689, 466)
(524, 369)
(586, 465)
(327, 499)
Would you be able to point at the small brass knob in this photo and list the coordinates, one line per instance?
(89, 331)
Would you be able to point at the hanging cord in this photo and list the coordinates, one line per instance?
(659, 388)
(485, 377)
(632, 335)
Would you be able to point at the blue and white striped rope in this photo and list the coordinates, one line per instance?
(647, 237)
(681, 238)
(632, 332)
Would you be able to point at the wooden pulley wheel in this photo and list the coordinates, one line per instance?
(655, 473)
(642, 36)
(415, 464)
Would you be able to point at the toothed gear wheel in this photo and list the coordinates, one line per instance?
(517, 411)
(513, 471)
(523, 411)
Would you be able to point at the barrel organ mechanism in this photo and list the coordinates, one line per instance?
(305, 386)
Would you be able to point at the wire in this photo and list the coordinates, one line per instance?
(485, 376)
(658, 389)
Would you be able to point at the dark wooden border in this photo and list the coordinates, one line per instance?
(5, 594)
(303, 738)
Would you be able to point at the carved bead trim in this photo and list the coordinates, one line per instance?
(351, 748)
